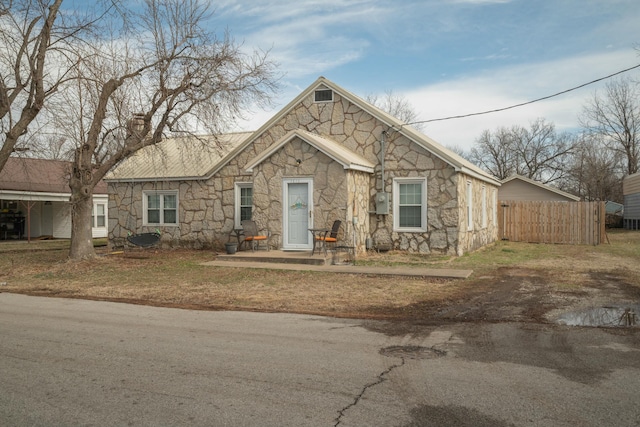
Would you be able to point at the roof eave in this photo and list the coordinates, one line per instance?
(360, 168)
(481, 177)
(156, 179)
(315, 141)
(407, 131)
(34, 196)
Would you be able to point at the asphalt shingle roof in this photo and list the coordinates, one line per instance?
(39, 175)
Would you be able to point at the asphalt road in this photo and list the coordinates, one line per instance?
(72, 362)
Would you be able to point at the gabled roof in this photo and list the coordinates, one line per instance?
(540, 185)
(180, 158)
(613, 207)
(347, 158)
(448, 156)
(39, 176)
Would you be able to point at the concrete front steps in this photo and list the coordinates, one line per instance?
(277, 257)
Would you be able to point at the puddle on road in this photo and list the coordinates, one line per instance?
(608, 316)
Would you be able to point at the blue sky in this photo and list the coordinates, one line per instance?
(447, 57)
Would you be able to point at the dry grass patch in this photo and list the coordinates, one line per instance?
(177, 278)
(505, 274)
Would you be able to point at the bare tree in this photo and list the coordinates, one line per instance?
(594, 173)
(159, 72)
(52, 146)
(495, 152)
(615, 116)
(397, 106)
(29, 37)
(541, 152)
(537, 152)
(460, 151)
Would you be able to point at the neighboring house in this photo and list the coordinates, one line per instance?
(631, 194)
(615, 214)
(34, 200)
(520, 188)
(614, 208)
(328, 155)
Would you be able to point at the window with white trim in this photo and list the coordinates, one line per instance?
(484, 207)
(469, 206)
(160, 208)
(244, 202)
(410, 204)
(98, 215)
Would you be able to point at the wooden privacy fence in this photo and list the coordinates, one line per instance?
(573, 223)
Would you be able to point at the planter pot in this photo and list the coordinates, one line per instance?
(231, 248)
(383, 247)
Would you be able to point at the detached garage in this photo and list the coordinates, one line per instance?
(521, 188)
(34, 200)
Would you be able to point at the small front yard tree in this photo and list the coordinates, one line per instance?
(158, 71)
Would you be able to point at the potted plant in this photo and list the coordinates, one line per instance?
(231, 247)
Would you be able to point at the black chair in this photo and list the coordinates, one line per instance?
(332, 238)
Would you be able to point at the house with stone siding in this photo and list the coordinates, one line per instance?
(328, 155)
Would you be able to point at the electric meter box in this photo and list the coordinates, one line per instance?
(382, 203)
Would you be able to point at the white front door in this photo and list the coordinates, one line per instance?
(297, 213)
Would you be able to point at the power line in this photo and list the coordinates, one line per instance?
(528, 102)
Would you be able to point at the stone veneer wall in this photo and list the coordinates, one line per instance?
(480, 235)
(360, 132)
(195, 213)
(206, 207)
(358, 209)
(405, 159)
(329, 184)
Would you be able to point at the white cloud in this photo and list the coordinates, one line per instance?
(308, 37)
(500, 88)
(318, 37)
(495, 89)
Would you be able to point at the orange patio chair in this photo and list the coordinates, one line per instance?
(332, 238)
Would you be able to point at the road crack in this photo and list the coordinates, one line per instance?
(380, 379)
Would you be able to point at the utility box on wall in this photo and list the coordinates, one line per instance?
(382, 203)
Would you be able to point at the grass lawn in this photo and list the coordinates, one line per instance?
(177, 278)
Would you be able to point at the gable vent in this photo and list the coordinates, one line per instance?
(323, 95)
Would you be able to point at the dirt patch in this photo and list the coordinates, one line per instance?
(515, 294)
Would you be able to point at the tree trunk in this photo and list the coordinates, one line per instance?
(81, 225)
(82, 185)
